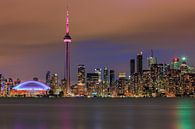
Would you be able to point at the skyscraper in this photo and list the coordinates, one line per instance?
(1, 79)
(67, 41)
(140, 63)
(132, 66)
(48, 78)
(99, 72)
(151, 60)
(92, 83)
(81, 79)
(122, 84)
(112, 78)
(54, 82)
(105, 79)
(81, 75)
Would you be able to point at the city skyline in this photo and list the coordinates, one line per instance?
(96, 64)
(32, 44)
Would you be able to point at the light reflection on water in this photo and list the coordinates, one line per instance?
(97, 114)
(185, 114)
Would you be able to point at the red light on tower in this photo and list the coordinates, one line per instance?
(176, 59)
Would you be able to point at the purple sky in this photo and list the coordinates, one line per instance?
(105, 33)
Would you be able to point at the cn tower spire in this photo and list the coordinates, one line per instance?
(67, 21)
(67, 41)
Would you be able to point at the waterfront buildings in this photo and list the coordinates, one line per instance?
(173, 79)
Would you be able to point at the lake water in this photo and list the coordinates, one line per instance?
(83, 113)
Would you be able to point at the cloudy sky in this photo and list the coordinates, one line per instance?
(105, 33)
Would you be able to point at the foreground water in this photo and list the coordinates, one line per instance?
(83, 113)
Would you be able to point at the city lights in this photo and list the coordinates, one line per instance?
(157, 80)
(184, 58)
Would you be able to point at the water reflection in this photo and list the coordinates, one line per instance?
(18, 124)
(65, 117)
(31, 120)
(96, 114)
(185, 114)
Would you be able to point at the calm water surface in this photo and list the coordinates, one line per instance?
(82, 113)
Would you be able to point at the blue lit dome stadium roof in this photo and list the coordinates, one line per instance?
(31, 86)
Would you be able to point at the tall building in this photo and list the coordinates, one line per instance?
(140, 63)
(104, 89)
(106, 77)
(67, 41)
(48, 78)
(151, 60)
(1, 80)
(99, 72)
(122, 84)
(132, 66)
(112, 78)
(157, 78)
(63, 85)
(10, 85)
(81, 75)
(81, 80)
(54, 82)
(92, 84)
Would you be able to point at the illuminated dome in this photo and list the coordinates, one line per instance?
(32, 86)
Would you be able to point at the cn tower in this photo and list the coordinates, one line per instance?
(67, 41)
